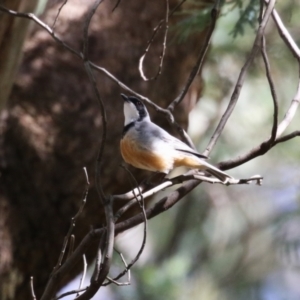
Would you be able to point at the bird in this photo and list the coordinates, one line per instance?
(147, 146)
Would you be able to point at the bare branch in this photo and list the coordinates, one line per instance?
(156, 29)
(73, 221)
(285, 35)
(191, 175)
(69, 293)
(128, 273)
(236, 92)
(86, 26)
(99, 259)
(33, 297)
(52, 284)
(83, 273)
(287, 137)
(86, 176)
(107, 254)
(145, 195)
(71, 245)
(130, 195)
(273, 92)
(214, 16)
(116, 282)
(58, 13)
(290, 112)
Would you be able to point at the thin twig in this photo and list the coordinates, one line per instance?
(288, 117)
(107, 254)
(273, 91)
(236, 92)
(155, 31)
(73, 222)
(140, 200)
(69, 293)
(164, 46)
(33, 297)
(99, 258)
(231, 181)
(284, 33)
(145, 195)
(86, 26)
(128, 282)
(130, 195)
(83, 274)
(270, 79)
(58, 13)
(117, 283)
(71, 245)
(199, 63)
(191, 175)
(287, 137)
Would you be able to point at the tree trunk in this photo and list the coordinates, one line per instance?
(12, 34)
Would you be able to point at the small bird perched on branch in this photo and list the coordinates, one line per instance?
(147, 146)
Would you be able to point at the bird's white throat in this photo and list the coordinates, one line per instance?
(130, 112)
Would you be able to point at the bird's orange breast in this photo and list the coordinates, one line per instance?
(141, 157)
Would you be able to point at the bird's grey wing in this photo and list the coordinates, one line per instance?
(153, 132)
(181, 146)
(154, 137)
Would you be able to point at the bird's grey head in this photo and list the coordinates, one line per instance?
(134, 110)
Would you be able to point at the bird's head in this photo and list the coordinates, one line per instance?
(134, 110)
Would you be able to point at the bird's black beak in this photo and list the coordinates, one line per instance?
(125, 98)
